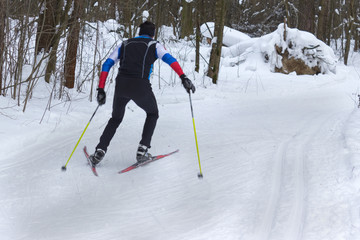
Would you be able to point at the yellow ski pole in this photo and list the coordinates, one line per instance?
(200, 175)
(63, 168)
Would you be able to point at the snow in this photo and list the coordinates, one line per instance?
(145, 15)
(300, 45)
(240, 48)
(230, 38)
(279, 154)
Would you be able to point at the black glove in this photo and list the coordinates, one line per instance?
(101, 96)
(188, 85)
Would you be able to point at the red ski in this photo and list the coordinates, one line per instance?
(153, 159)
(93, 168)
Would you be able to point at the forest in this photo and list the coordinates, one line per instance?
(47, 36)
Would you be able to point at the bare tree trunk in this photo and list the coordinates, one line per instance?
(198, 37)
(157, 22)
(112, 9)
(186, 19)
(286, 3)
(47, 22)
(79, 83)
(20, 52)
(127, 14)
(357, 26)
(349, 29)
(174, 17)
(323, 19)
(24, 20)
(215, 54)
(3, 7)
(330, 23)
(307, 15)
(63, 20)
(72, 44)
(129, 18)
(95, 62)
(356, 37)
(7, 68)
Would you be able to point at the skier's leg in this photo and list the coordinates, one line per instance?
(149, 105)
(119, 105)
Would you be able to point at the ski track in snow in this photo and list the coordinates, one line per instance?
(283, 180)
(295, 150)
(285, 213)
(298, 143)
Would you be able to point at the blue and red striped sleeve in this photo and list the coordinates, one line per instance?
(164, 55)
(112, 59)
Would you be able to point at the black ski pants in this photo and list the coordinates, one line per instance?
(140, 91)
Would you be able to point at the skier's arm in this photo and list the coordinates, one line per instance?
(164, 55)
(112, 59)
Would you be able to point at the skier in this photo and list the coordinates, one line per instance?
(136, 57)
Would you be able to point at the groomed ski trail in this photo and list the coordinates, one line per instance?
(274, 168)
(286, 208)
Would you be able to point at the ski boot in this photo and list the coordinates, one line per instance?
(97, 157)
(142, 154)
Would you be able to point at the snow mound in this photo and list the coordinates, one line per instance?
(231, 36)
(239, 48)
(111, 25)
(292, 44)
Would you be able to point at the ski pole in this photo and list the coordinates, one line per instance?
(64, 167)
(200, 175)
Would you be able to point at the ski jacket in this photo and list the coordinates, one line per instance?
(136, 57)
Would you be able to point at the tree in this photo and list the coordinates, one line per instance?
(323, 19)
(72, 44)
(174, 16)
(198, 37)
(215, 55)
(186, 19)
(158, 15)
(349, 28)
(357, 26)
(112, 9)
(62, 18)
(307, 15)
(3, 7)
(127, 16)
(257, 17)
(330, 22)
(47, 23)
(287, 14)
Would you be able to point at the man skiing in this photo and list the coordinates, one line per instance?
(136, 57)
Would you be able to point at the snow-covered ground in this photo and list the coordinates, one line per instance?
(279, 153)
